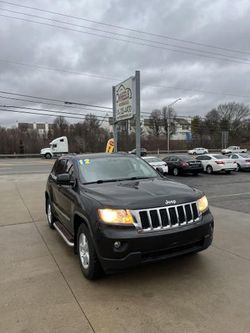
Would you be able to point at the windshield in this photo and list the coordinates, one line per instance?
(114, 168)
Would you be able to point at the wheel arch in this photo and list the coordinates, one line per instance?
(77, 221)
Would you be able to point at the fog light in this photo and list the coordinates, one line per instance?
(117, 245)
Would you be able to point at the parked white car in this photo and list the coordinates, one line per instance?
(156, 162)
(198, 151)
(217, 163)
(242, 160)
(233, 149)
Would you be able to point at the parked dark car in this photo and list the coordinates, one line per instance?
(180, 164)
(143, 152)
(116, 211)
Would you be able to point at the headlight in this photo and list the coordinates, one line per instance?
(116, 216)
(202, 204)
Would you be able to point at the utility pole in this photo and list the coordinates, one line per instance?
(168, 108)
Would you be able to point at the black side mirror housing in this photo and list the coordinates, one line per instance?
(160, 171)
(64, 179)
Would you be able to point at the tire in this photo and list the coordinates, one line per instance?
(176, 171)
(238, 167)
(209, 169)
(88, 260)
(50, 215)
(228, 172)
(47, 156)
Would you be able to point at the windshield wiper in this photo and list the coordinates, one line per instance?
(136, 178)
(100, 181)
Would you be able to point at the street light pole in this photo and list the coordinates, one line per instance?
(168, 108)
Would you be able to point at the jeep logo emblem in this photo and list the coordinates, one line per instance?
(170, 202)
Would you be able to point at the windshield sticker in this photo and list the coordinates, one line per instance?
(86, 161)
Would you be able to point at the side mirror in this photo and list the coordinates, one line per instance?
(160, 171)
(64, 179)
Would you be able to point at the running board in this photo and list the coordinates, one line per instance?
(63, 233)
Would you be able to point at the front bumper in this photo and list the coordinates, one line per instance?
(139, 248)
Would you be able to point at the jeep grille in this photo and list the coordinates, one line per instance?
(163, 218)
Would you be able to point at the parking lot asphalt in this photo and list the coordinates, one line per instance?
(42, 288)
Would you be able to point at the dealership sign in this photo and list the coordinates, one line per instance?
(124, 100)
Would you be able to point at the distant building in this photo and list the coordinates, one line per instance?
(182, 127)
(40, 128)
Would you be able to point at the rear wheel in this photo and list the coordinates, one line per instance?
(209, 169)
(176, 171)
(89, 262)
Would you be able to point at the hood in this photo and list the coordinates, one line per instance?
(139, 194)
(45, 149)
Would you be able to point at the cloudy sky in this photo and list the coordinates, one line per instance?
(195, 50)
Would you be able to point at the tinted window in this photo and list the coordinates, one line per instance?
(70, 168)
(60, 167)
(184, 158)
(219, 157)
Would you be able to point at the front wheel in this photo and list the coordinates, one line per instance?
(50, 215)
(48, 156)
(89, 262)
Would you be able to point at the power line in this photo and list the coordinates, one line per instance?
(123, 35)
(129, 41)
(48, 110)
(41, 114)
(54, 104)
(128, 29)
(54, 100)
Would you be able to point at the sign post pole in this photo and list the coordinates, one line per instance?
(138, 113)
(114, 119)
(126, 105)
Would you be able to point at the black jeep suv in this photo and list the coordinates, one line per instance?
(116, 211)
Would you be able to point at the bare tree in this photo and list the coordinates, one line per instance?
(169, 116)
(155, 122)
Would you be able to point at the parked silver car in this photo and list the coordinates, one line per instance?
(242, 160)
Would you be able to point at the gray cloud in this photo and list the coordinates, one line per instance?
(221, 23)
